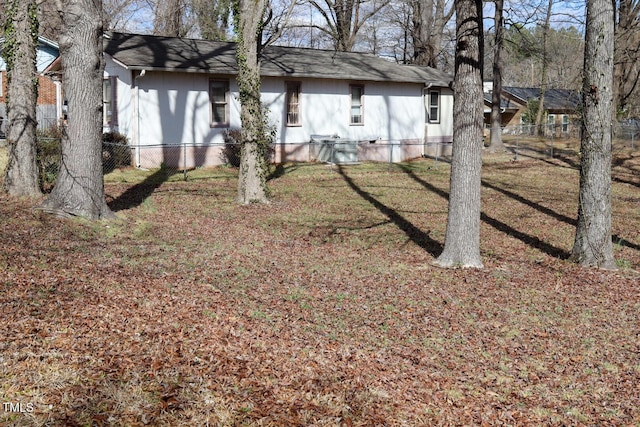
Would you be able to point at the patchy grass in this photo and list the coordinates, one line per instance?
(4, 159)
(321, 308)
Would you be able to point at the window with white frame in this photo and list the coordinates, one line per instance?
(357, 104)
(551, 123)
(293, 104)
(551, 119)
(434, 106)
(219, 99)
(565, 123)
(109, 103)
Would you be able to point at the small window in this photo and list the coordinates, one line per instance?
(293, 104)
(109, 103)
(434, 106)
(357, 107)
(565, 123)
(219, 98)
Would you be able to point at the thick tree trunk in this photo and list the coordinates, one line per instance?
(440, 21)
(495, 142)
(429, 21)
(423, 50)
(593, 246)
(627, 58)
(21, 178)
(252, 183)
(344, 20)
(462, 241)
(79, 188)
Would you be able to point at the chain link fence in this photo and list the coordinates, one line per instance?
(521, 141)
(329, 150)
(549, 141)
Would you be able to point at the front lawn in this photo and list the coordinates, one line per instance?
(322, 307)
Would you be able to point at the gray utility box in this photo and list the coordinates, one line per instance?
(332, 149)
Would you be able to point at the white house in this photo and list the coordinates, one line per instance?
(176, 98)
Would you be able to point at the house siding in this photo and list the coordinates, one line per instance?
(167, 115)
(47, 93)
(45, 55)
(46, 90)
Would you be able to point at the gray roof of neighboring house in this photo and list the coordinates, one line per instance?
(139, 52)
(554, 99)
(505, 104)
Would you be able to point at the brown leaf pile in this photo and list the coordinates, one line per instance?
(321, 309)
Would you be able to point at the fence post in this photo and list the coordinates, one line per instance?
(333, 146)
(517, 145)
(184, 160)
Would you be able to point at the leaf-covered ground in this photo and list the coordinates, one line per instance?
(322, 308)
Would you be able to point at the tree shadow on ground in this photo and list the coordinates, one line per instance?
(620, 167)
(136, 195)
(568, 157)
(527, 239)
(416, 235)
(543, 209)
(571, 162)
(574, 164)
(281, 169)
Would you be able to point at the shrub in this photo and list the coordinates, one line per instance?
(233, 142)
(232, 147)
(48, 154)
(115, 151)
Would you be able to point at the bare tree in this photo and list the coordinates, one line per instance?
(345, 18)
(430, 18)
(545, 64)
(79, 188)
(168, 19)
(252, 180)
(400, 16)
(523, 57)
(495, 138)
(213, 18)
(121, 14)
(276, 21)
(462, 240)
(423, 48)
(19, 52)
(592, 245)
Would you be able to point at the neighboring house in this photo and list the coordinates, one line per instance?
(49, 92)
(175, 98)
(561, 108)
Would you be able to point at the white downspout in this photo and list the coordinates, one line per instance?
(425, 121)
(137, 114)
(59, 112)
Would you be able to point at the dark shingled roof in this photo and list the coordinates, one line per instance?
(505, 104)
(554, 99)
(138, 52)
